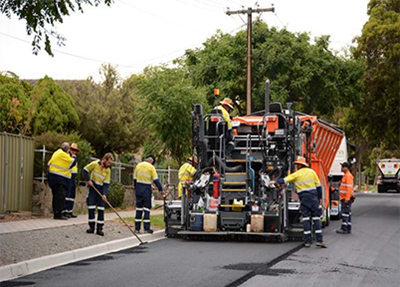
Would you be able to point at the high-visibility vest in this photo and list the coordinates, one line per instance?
(100, 176)
(145, 173)
(74, 169)
(226, 116)
(186, 172)
(305, 179)
(346, 186)
(60, 164)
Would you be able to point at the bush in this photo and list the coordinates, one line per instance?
(116, 194)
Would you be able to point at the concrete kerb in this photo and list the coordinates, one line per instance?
(25, 268)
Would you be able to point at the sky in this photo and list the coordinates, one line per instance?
(132, 34)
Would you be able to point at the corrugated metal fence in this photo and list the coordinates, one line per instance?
(16, 172)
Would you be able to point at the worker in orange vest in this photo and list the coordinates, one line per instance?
(346, 197)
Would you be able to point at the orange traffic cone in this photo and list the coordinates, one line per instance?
(365, 189)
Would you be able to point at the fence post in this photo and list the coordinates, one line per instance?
(5, 172)
(43, 161)
(169, 174)
(20, 172)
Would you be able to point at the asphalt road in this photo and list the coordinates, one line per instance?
(368, 257)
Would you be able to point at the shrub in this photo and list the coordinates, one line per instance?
(116, 194)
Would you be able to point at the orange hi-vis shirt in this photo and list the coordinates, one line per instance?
(346, 186)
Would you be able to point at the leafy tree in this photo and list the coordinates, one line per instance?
(108, 112)
(39, 15)
(15, 105)
(168, 95)
(55, 110)
(309, 75)
(379, 46)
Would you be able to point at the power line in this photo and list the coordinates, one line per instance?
(211, 10)
(159, 17)
(211, 4)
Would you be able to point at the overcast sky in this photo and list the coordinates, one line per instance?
(133, 34)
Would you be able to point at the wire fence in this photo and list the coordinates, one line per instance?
(120, 172)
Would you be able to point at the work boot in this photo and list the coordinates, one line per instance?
(307, 245)
(61, 218)
(73, 216)
(321, 244)
(341, 231)
(150, 231)
(90, 230)
(100, 232)
(65, 214)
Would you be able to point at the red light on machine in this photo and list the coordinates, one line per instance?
(382, 166)
(396, 165)
(216, 92)
(272, 228)
(214, 119)
(335, 203)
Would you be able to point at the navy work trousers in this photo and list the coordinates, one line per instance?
(310, 211)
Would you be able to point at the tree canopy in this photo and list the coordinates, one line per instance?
(41, 16)
(54, 108)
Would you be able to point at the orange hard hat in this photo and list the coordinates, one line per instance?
(74, 147)
(301, 160)
(228, 102)
(192, 159)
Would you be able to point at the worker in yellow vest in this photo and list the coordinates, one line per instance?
(71, 192)
(98, 175)
(186, 173)
(60, 166)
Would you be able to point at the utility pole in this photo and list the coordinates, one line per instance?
(249, 13)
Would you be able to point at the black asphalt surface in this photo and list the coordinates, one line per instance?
(368, 257)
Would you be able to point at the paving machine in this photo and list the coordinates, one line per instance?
(231, 195)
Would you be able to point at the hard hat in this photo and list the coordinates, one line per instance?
(74, 147)
(301, 160)
(192, 159)
(228, 102)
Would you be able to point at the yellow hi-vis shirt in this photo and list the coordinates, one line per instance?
(98, 175)
(145, 173)
(304, 179)
(226, 116)
(74, 169)
(60, 164)
(186, 172)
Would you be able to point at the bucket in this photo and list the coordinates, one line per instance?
(196, 221)
(210, 222)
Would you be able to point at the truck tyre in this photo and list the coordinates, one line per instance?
(381, 188)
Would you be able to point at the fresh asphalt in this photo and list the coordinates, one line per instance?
(370, 256)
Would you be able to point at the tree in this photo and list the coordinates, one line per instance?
(108, 112)
(15, 105)
(54, 108)
(168, 95)
(379, 47)
(39, 15)
(312, 76)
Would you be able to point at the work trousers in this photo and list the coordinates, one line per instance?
(346, 215)
(70, 197)
(143, 205)
(58, 191)
(94, 200)
(310, 211)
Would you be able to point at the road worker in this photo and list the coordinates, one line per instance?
(309, 191)
(346, 197)
(226, 108)
(71, 192)
(144, 176)
(97, 175)
(60, 166)
(186, 173)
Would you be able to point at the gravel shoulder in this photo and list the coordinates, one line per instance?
(22, 246)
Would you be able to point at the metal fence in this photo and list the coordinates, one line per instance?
(120, 172)
(16, 172)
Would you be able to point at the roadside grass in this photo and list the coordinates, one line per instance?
(155, 220)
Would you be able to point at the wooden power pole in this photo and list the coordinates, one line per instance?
(249, 13)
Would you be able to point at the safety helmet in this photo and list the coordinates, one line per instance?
(74, 147)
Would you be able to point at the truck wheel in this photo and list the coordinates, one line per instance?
(381, 188)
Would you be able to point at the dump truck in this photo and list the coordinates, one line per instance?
(389, 178)
(231, 196)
